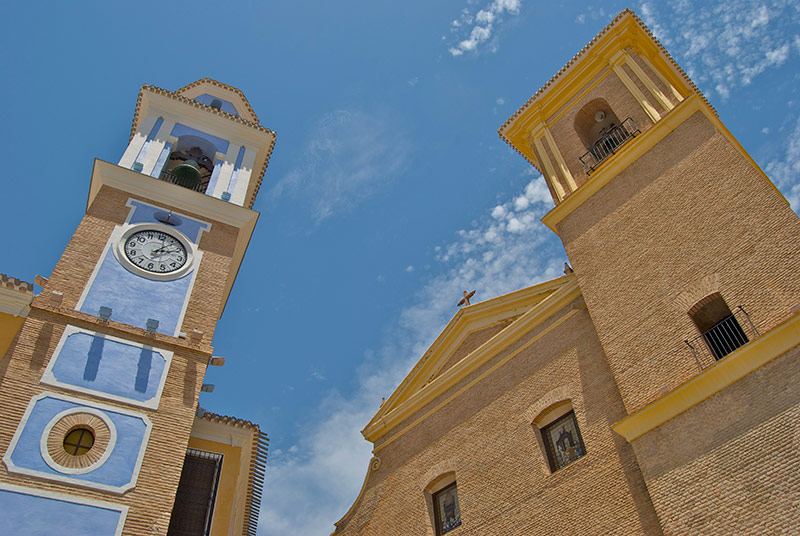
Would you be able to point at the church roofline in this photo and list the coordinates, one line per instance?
(415, 391)
(224, 86)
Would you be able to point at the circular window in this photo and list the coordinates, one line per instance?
(78, 440)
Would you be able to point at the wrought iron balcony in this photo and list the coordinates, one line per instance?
(197, 186)
(723, 338)
(610, 140)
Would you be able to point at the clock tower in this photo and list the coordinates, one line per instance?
(100, 387)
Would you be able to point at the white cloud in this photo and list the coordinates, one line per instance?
(785, 170)
(478, 27)
(724, 44)
(307, 490)
(500, 101)
(409, 268)
(349, 157)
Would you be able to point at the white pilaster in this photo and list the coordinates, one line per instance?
(227, 171)
(243, 180)
(154, 151)
(137, 142)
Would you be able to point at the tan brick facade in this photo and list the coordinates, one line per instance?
(151, 500)
(669, 222)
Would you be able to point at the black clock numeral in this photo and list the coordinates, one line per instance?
(140, 239)
(162, 267)
(180, 259)
(173, 264)
(131, 244)
(150, 266)
(133, 252)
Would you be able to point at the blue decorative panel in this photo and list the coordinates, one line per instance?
(227, 106)
(133, 299)
(37, 513)
(182, 130)
(105, 365)
(144, 213)
(120, 467)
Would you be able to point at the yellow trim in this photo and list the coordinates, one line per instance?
(661, 77)
(729, 370)
(648, 83)
(471, 384)
(381, 424)
(468, 318)
(574, 80)
(638, 95)
(560, 160)
(548, 166)
(639, 146)
(225, 506)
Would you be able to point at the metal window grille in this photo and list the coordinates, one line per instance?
(193, 510)
(611, 140)
(722, 338)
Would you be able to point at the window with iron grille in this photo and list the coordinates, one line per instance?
(447, 514)
(194, 503)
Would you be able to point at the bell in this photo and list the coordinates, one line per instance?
(187, 175)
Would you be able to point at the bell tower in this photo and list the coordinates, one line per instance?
(669, 224)
(100, 387)
(689, 260)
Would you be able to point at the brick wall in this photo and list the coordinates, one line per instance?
(690, 210)
(486, 437)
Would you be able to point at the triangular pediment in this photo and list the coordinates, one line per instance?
(232, 100)
(472, 330)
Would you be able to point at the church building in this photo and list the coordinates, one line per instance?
(653, 389)
(100, 373)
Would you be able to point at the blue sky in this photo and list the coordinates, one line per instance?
(389, 191)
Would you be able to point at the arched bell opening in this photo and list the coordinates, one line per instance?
(191, 163)
(601, 132)
(594, 120)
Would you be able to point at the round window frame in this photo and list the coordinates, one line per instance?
(52, 441)
(119, 252)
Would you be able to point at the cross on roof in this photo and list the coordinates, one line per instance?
(465, 299)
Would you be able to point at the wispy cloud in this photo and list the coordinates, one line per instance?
(504, 250)
(785, 169)
(725, 44)
(473, 29)
(350, 155)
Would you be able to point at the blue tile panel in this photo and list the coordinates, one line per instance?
(144, 213)
(94, 362)
(133, 298)
(227, 106)
(31, 515)
(117, 471)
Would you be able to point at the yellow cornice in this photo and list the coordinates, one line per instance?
(465, 321)
(624, 35)
(390, 416)
(135, 183)
(725, 372)
(637, 147)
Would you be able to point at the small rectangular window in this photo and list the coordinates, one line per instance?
(563, 441)
(446, 511)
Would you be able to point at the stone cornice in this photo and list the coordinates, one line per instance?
(15, 296)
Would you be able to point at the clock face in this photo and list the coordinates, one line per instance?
(155, 251)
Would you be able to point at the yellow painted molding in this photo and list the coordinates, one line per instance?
(560, 160)
(648, 83)
(637, 147)
(725, 372)
(471, 384)
(551, 172)
(638, 95)
(381, 424)
(467, 319)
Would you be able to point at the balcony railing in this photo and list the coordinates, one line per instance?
(723, 338)
(168, 176)
(610, 140)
